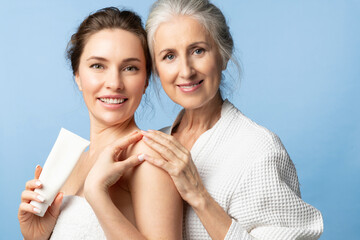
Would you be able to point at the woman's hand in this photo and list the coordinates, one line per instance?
(31, 225)
(177, 162)
(110, 166)
(180, 166)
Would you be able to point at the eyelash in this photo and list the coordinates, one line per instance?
(99, 66)
(131, 67)
(96, 66)
(166, 57)
(199, 49)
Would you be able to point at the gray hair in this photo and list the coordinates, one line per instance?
(214, 22)
(202, 10)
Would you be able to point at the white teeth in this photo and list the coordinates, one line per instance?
(112, 100)
(190, 86)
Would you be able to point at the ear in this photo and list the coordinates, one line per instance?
(78, 81)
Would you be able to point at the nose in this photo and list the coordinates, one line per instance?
(187, 70)
(113, 80)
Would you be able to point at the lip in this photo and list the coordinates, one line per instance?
(112, 106)
(112, 96)
(188, 89)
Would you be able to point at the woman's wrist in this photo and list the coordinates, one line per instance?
(94, 192)
(213, 217)
(202, 201)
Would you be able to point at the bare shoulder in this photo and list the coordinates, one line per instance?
(156, 202)
(141, 148)
(146, 170)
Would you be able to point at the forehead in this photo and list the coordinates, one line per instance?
(110, 42)
(180, 30)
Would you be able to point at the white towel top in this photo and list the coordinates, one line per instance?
(77, 221)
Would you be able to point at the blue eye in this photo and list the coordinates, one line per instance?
(199, 51)
(169, 57)
(96, 66)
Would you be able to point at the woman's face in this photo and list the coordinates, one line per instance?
(112, 75)
(188, 62)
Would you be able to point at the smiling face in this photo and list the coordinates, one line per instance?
(188, 62)
(112, 75)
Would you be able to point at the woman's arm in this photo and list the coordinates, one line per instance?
(176, 160)
(156, 202)
(268, 203)
(107, 170)
(112, 221)
(159, 222)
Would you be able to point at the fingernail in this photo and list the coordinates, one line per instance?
(141, 157)
(144, 132)
(61, 195)
(150, 130)
(36, 210)
(146, 138)
(41, 198)
(38, 183)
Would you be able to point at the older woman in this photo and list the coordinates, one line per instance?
(235, 176)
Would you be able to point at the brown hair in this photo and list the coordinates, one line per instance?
(106, 18)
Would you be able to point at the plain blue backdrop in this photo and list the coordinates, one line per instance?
(300, 78)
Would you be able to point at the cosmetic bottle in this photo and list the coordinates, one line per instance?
(61, 161)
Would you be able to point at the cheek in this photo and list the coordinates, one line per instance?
(136, 84)
(213, 69)
(89, 82)
(167, 73)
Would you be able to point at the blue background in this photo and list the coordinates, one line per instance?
(300, 78)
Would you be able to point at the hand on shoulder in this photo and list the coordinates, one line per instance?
(156, 201)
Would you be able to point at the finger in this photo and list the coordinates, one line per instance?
(170, 138)
(158, 162)
(26, 207)
(129, 163)
(54, 209)
(27, 196)
(134, 132)
(38, 170)
(127, 141)
(169, 142)
(33, 184)
(164, 151)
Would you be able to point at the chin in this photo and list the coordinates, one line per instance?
(191, 103)
(113, 119)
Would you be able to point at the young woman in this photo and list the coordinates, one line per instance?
(235, 176)
(108, 194)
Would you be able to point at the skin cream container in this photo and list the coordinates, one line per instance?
(62, 159)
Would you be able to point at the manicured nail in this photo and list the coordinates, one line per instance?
(41, 198)
(38, 183)
(141, 157)
(36, 210)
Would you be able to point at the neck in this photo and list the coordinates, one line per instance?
(202, 118)
(102, 135)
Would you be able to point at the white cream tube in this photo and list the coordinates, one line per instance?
(58, 166)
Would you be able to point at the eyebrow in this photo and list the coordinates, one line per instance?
(190, 46)
(105, 60)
